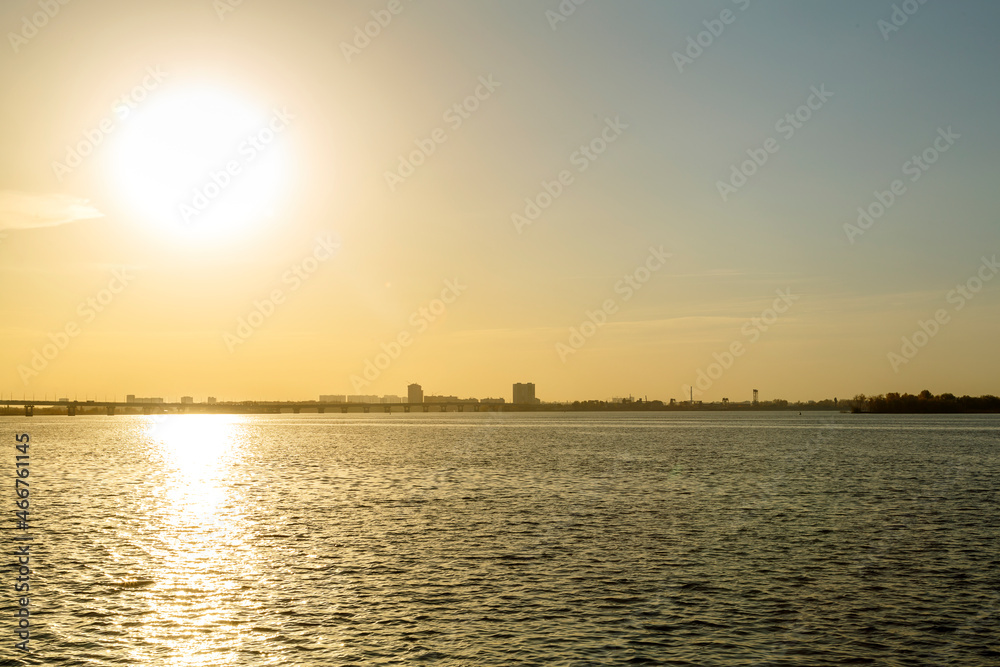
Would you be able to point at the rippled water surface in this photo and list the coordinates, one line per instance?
(475, 539)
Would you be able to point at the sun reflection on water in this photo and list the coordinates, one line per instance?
(194, 450)
(204, 542)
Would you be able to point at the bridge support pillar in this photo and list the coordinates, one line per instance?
(367, 409)
(406, 408)
(388, 409)
(321, 410)
(29, 411)
(146, 410)
(111, 411)
(461, 408)
(296, 409)
(71, 410)
(427, 408)
(344, 409)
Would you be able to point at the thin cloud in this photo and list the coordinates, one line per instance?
(21, 210)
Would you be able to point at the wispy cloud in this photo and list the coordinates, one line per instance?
(21, 210)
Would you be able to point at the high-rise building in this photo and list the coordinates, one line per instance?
(414, 394)
(187, 400)
(524, 394)
(212, 400)
(130, 398)
(332, 398)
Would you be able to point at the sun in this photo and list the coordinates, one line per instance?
(202, 161)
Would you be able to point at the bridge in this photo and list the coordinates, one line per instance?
(111, 408)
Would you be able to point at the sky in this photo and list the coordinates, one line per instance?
(266, 200)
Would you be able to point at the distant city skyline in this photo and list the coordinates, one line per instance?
(522, 393)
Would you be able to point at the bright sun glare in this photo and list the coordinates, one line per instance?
(193, 443)
(202, 161)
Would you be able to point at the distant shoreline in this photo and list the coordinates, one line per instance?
(923, 403)
(436, 409)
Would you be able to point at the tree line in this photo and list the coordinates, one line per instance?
(924, 402)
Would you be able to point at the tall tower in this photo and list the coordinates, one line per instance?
(524, 394)
(755, 397)
(414, 394)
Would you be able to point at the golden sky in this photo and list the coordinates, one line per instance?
(263, 201)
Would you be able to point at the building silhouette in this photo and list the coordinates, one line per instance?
(414, 394)
(524, 394)
(442, 399)
(132, 398)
